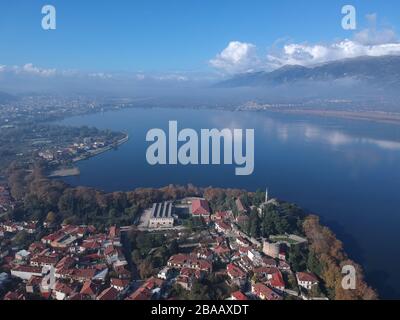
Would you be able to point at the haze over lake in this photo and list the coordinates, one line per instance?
(346, 171)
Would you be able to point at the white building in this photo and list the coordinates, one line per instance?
(162, 216)
(164, 274)
(306, 280)
(254, 256)
(26, 272)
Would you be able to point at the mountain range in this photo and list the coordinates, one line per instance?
(382, 72)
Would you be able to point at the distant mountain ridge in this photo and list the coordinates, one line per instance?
(384, 70)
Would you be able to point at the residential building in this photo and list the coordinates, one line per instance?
(306, 280)
(263, 292)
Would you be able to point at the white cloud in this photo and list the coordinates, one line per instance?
(240, 57)
(236, 57)
(100, 75)
(171, 77)
(305, 54)
(177, 77)
(29, 68)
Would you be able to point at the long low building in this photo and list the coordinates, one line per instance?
(162, 215)
(26, 272)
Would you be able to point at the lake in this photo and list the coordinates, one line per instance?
(346, 171)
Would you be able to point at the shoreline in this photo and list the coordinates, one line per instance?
(374, 116)
(74, 171)
(93, 153)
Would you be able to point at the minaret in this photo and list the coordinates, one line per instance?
(266, 196)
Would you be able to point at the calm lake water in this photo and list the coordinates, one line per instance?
(346, 171)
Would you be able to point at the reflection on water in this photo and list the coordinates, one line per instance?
(346, 171)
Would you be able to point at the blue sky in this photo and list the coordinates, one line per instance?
(168, 36)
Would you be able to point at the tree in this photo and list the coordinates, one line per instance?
(328, 251)
(199, 291)
(51, 217)
(22, 239)
(136, 256)
(254, 224)
(298, 258)
(145, 268)
(173, 247)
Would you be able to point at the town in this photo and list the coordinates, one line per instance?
(58, 147)
(203, 251)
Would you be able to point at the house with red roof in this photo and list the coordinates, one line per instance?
(14, 296)
(234, 272)
(141, 294)
(203, 253)
(33, 284)
(222, 250)
(277, 281)
(62, 291)
(119, 284)
(237, 275)
(37, 247)
(122, 272)
(221, 216)
(66, 263)
(189, 261)
(108, 294)
(265, 272)
(48, 260)
(263, 292)
(222, 227)
(26, 272)
(306, 279)
(200, 208)
(151, 288)
(90, 290)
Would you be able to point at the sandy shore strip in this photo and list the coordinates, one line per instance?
(65, 172)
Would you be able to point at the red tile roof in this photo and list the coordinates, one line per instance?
(235, 272)
(28, 269)
(153, 283)
(277, 280)
(119, 283)
(200, 207)
(63, 288)
(108, 294)
(265, 293)
(11, 295)
(66, 263)
(222, 225)
(141, 294)
(306, 277)
(89, 288)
